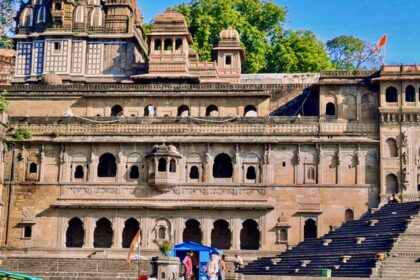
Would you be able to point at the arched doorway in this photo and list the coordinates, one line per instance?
(131, 227)
(102, 236)
(250, 235)
(75, 234)
(116, 111)
(391, 184)
(221, 235)
(349, 215)
(310, 230)
(192, 231)
(222, 167)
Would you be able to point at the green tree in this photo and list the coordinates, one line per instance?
(351, 53)
(298, 51)
(257, 21)
(8, 10)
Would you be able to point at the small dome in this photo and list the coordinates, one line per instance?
(230, 34)
(51, 79)
(170, 21)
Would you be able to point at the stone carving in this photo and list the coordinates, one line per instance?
(405, 158)
(28, 214)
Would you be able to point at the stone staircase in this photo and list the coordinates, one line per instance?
(404, 258)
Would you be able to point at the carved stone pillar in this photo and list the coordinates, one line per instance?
(42, 164)
(93, 165)
(89, 227)
(297, 179)
(122, 159)
(208, 168)
(207, 227)
(320, 165)
(237, 168)
(62, 229)
(361, 167)
(118, 226)
(267, 168)
(179, 228)
(338, 165)
(236, 233)
(146, 229)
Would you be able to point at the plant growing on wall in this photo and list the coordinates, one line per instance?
(4, 105)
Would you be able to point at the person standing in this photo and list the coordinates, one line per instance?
(187, 262)
(222, 268)
(212, 267)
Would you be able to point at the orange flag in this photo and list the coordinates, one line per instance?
(381, 43)
(135, 243)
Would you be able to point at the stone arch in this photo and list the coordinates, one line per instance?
(222, 167)
(391, 148)
(75, 233)
(131, 227)
(172, 166)
(107, 166)
(192, 231)
(221, 235)
(410, 94)
(134, 172)
(250, 235)
(26, 19)
(251, 173)
(330, 110)
(391, 184)
(79, 172)
(103, 233)
(162, 230)
(150, 111)
(194, 173)
(349, 107)
(310, 229)
(212, 111)
(349, 215)
(391, 95)
(168, 45)
(250, 111)
(33, 168)
(117, 111)
(41, 15)
(183, 111)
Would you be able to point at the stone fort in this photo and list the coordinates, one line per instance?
(132, 131)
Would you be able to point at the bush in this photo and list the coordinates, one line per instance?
(22, 133)
(4, 105)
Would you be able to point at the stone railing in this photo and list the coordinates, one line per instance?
(125, 191)
(179, 129)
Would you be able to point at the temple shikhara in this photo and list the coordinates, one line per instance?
(133, 131)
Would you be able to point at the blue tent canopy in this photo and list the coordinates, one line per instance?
(201, 251)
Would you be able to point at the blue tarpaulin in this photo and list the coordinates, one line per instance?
(16, 276)
(200, 258)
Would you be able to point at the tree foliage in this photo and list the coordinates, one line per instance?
(351, 53)
(260, 25)
(8, 10)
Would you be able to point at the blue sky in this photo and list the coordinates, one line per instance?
(366, 19)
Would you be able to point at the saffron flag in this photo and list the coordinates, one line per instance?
(381, 43)
(135, 243)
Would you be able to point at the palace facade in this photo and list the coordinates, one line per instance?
(132, 131)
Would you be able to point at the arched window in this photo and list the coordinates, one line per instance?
(162, 165)
(330, 109)
(172, 166)
(102, 235)
(168, 45)
(192, 232)
(161, 232)
(228, 60)
(283, 235)
(33, 168)
(391, 183)
(96, 17)
(250, 111)
(194, 174)
(107, 166)
(391, 148)
(134, 172)
(57, 6)
(222, 167)
(149, 111)
(250, 235)
(158, 45)
(131, 227)
(178, 44)
(250, 173)
(79, 14)
(311, 173)
(221, 235)
(27, 232)
(349, 215)
(26, 19)
(391, 95)
(183, 111)
(310, 229)
(116, 111)
(212, 111)
(75, 234)
(79, 173)
(410, 94)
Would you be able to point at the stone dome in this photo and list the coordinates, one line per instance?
(230, 34)
(170, 21)
(51, 79)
